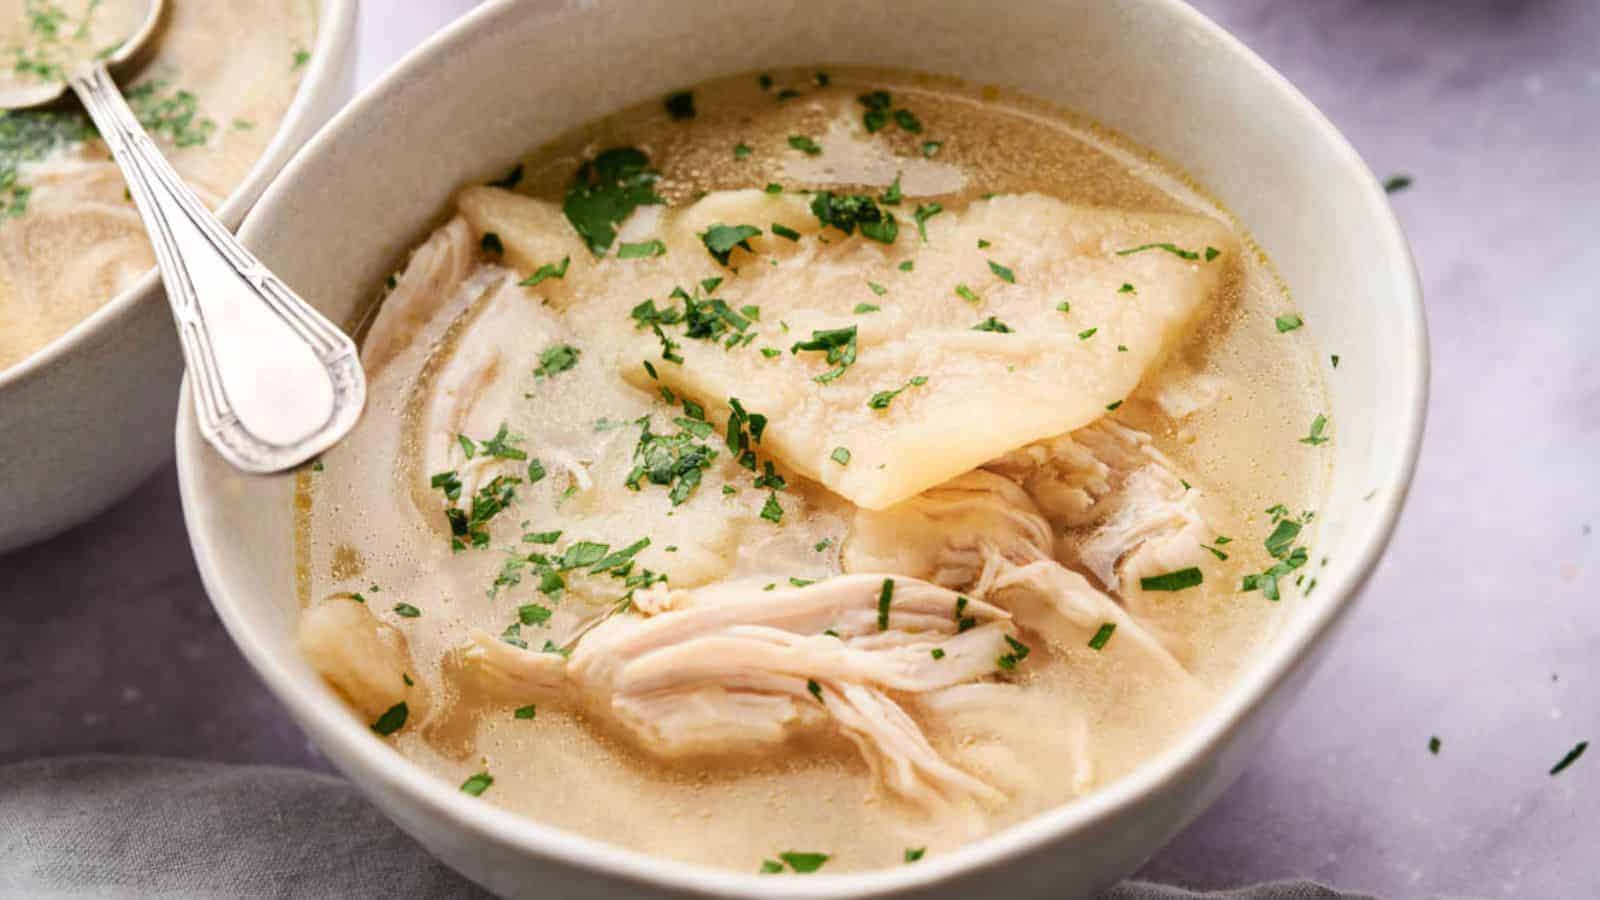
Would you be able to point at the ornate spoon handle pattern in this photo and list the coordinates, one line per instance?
(275, 383)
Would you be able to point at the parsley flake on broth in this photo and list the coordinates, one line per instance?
(693, 493)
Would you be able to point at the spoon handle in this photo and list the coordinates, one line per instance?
(275, 383)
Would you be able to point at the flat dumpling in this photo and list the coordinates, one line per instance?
(1018, 318)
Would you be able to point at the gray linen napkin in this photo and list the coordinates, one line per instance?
(105, 826)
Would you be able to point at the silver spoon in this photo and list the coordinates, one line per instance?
(275, 383)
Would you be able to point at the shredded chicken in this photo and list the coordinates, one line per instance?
(1146, 520)
(982, 533)
(737, 666)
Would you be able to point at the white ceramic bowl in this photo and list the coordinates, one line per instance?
(86, 418)
(511, 75)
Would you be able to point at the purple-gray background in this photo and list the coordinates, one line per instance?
(1482, 626)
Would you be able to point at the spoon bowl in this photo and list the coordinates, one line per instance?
(42, 92)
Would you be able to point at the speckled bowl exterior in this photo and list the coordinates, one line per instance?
(512, 75)
(88, 416)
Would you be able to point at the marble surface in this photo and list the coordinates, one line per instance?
(1480, 627)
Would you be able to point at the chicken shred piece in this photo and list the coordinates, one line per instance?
(981, 533)
(735, 666)
(1146, 520)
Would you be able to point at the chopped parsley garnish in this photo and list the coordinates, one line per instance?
(907, 266)
(1113, 405)
(771, 867)
(1570, 758)
(804, 863)
(908, 121)
(741, 150)
(840, 455)
(1179, 580)
(605, 191)
(1102, 636)
(1394, 184)
(915, 853)
(1003, 273)
(536, 471)
(893, 195)
(1019, 652)
(877, 113)
(676, 461)
(804, 144)
(721, 239)
(822, 545)
(583, 553)
(1282, 538)
(541, 537)
(877, 288)
(992, 324)
(501, 446)
(772, 511)
(1087, 333)
(533, 614)
(963, 622)
(477, 784)
(1335, 360)
(467, 526)
(1434, 744)
(525, 712)
(743, 433)
(1288, 323)
(882, 399)
(175, 115)
(547, 271)
(447, 482)
(885, 598)
(1126, 289)
(1064, 306)
(773, 188)
(814, 688)
(1174, 249)
(490, 243)
(301, 57)
(968, 294)
(847, 211)
(1315, 438)
(937, 653)
(923, 213)
(1280, 544)
(1212, 253)
(641, 250)
(406, 610)
(392, 720)
(931, 148)
(555, 360)
(840, 346)
(785, 231)
(680, 105)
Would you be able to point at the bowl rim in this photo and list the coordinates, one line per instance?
(383, 765)
(336, 21)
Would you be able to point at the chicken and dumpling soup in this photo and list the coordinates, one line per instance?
(814, 469)
(219, 81)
